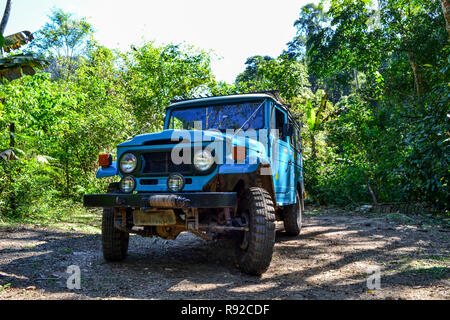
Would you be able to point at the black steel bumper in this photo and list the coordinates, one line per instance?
(162, 200)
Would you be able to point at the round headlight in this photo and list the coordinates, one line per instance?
(127, 184)
(175, 182)
(128, 163)
(203, 160)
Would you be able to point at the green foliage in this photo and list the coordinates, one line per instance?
(63, 123)
(63, 36)
(375, 122)
(371, 86)
(310, 22)
(283, 74)
(389, 133)
(64, 41)
(252, 72)
(156, 75)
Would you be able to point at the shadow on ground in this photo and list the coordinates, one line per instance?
(329, 260)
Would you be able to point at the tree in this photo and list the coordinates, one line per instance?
(362, 38)
(311, 22)
(156, 75)
(64, 40)
(11, 68)
(445, 4)
(5, 17)
(286, 75)
(387, 134)
(253, 64)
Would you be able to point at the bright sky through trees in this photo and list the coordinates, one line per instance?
(234, 29)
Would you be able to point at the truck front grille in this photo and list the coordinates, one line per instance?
(161, 163)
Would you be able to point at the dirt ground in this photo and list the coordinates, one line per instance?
(329, 260)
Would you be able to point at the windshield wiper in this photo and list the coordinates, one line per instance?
(248, 119)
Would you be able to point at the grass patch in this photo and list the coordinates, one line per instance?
(67, 216)
(329, 210)
(437, 257)
(433, 272)
(4, 287)
(435, 266)
(313, 213)
(424, 220)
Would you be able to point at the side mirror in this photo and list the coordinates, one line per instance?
(288, 130)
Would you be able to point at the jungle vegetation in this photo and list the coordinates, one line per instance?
(369, 81)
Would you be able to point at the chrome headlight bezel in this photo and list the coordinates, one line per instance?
(132, 158)
(208, 160)
(126, 179)
(180, 180)
(204, 157)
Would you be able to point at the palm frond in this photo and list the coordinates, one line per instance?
(16, 40)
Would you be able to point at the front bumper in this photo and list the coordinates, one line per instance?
(163, 200)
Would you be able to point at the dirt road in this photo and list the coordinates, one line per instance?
(329, 260)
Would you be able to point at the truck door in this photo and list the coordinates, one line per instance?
(280, 157)
(296, 161)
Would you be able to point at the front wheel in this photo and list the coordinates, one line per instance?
(114, 241)
(256, 248)
(292, 217)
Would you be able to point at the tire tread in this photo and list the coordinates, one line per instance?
(114, 242)
(256, 259)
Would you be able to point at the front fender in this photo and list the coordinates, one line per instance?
(110, 171)
(251, 164)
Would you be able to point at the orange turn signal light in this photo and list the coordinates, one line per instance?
(239, 153)
(104, 159)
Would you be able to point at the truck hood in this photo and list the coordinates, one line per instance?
(194, 136)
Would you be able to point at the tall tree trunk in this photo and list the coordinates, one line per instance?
(5, 17)
(67, 174)
(12, 137)
(313, 146)
(418, 81)
(372, 194)
(12, 196)
(355, 75)
(445, 4)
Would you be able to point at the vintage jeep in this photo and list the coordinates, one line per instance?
(224, 166)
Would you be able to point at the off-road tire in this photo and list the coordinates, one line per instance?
(292, 217)
(114, 241)
(256, 257)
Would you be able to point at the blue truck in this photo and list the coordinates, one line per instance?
(224, 166)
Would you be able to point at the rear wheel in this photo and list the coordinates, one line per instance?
(292, 217)
(256, 248)
(114, 241)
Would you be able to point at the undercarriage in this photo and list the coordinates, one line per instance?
(247, 216)
(208, 224)
(205, 214)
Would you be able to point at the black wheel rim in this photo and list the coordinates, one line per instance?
(298, 212)
(246, 236)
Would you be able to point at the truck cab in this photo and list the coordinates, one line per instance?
(224, 166)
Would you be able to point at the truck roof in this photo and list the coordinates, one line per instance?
(272, 95)
(226, 98)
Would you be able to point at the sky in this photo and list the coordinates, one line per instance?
(233, 29)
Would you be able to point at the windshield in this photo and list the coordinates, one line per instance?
(242, 116)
